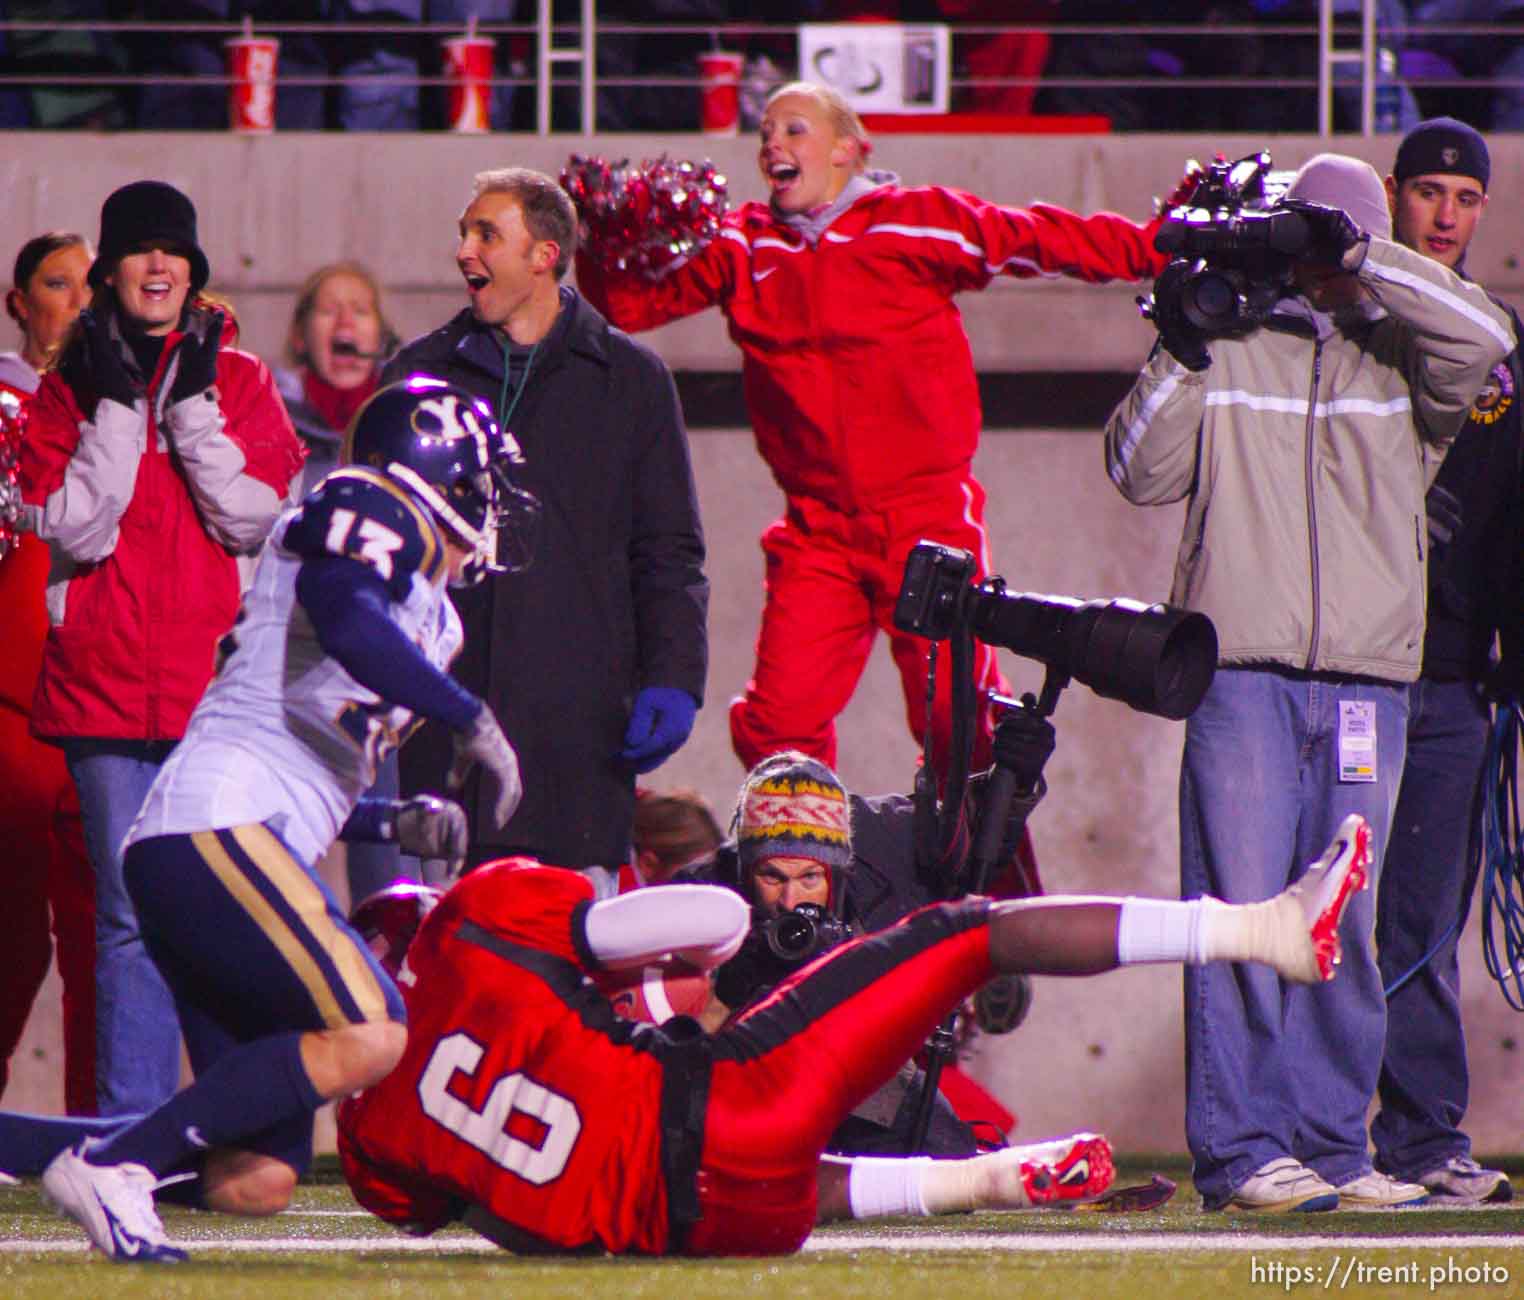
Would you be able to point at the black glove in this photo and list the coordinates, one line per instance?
(1180, 338)
(1331, 231)
(1024, 742)
(1446, 515)
(435, 830)
(483, 743)
(95, 366)
(197, 362)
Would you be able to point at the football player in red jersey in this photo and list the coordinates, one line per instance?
(499, 1112)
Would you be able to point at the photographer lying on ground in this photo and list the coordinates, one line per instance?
(1299, 437)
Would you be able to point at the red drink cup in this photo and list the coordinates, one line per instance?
(719, 92)
(468, 65)
(251, 97)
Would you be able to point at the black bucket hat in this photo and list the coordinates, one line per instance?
(148, 212)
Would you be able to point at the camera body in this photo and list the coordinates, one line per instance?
(1233, 249)
(777, 946)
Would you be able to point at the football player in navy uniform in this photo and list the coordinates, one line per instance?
(342, 641)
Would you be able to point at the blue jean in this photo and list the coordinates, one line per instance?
(137, 1033)
(1425, 895)
(1274, 1069)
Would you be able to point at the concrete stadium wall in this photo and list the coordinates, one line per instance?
(273, 208)
(1105, 1053)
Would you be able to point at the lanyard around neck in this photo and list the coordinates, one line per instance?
(504, 416)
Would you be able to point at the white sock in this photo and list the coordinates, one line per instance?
(1207, 929)
(1160, 930)
(880, 1185)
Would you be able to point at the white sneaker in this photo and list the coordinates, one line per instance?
(1378, 1191)
(1321, 896)
(112, 1203)
(1461, 1181)
(1283, 1184)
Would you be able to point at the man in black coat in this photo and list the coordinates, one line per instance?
(594, 659)
(1438, 192)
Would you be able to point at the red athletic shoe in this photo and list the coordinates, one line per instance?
(1073, 1168)
(1325, 890)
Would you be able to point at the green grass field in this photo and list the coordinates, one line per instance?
(325, 1247)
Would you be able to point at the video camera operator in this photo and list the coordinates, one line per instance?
(1299, 436)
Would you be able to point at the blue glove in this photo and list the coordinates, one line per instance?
(659, 723)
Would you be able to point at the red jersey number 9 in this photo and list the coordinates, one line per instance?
(516, 1102)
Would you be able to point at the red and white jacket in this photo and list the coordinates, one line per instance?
(857, 370)
(23, 569)
(145, 510)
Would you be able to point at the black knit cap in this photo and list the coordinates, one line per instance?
(1443, 145)
(148, 212)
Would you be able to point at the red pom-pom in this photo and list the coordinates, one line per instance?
(645, 218)
(12, 421)
(657, 992)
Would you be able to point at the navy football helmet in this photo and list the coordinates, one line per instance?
(442, 444)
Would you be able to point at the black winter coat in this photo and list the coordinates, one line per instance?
(1476, 532)
(616, 599)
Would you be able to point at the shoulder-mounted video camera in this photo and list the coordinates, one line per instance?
(775, 948)
(1232, 248)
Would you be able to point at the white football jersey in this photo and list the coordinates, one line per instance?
(284, 735)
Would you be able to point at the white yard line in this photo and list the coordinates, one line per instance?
(1038, 1243)
(1019, 1243)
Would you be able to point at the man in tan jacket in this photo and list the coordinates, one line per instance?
(1302, 448)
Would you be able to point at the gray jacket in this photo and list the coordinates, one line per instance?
(1305, 449)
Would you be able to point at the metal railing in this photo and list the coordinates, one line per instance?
(564, 55)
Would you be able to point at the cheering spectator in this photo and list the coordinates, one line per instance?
(338, 339)
(156, 457)
(49, 873)
(861, 388)
(594, 658)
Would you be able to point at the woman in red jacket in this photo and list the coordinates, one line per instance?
(48, 883)
(861, 387)
(156, 460)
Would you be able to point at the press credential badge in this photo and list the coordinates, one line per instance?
(1357, 740)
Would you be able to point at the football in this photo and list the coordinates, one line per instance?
(657, 992)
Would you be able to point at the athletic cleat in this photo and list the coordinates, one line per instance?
(1324, 892)
(1281, 1185)
(1378, 1191)
(1461, 1181)
(1073, 1168)
(112, 1203)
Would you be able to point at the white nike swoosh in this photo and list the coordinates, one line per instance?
(758, 276)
